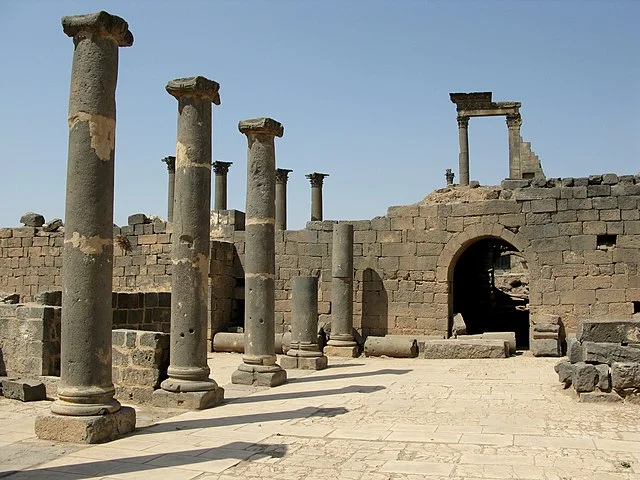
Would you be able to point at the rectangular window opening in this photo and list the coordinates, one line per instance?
(636, 307)
(606, 241)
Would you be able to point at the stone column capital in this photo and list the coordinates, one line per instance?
(514, 121)
(197, 86)
(463, 122)
(99, 24)
(221, 168)
(282, 175)
(171, 163)
(449, 176)
(261, 126)
(316, 178)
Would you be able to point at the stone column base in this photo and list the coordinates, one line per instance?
(259, 376)
(188, 400)
(304, 363)
(90, 429)
(348, 352)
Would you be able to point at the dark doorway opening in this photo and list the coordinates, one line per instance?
(491, 289)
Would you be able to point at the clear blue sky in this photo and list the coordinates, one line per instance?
(361, 87)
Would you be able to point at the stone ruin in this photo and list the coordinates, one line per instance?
(470, 271)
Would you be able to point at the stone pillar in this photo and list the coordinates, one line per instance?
(463, 156)
(341, 342)
(221, 169)
(316, 180)
(304, 352)
(171, 170)
(282, 175)
(513, 124)
(259, 365)
(189, 385)
(86, 410)
(449, 176)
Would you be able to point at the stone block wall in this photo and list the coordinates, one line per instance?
(149, 311)
(140, 362)
(29, 340)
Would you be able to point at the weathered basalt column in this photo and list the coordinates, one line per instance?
(463, 155)
(282, 175)
(304, 352)
(189, 385)
(316, 180)
(259, 365)
(513, 124)
(171, 173)
(221, 169)
(342, 342)
(86, 410)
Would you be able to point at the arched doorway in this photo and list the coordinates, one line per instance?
(490, 287)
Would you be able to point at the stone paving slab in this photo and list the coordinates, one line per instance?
(362, 418)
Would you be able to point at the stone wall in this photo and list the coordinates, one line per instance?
(149, 311)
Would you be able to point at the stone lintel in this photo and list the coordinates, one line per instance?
(480, 104)
(99, 23)
(220, 167)
(197, 86)
(91, 429)
(171, 163)
(263, 125)
(316, 178)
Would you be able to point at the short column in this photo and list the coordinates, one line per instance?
(513, 124)
(449, 176)
(171, 172)
(221, 169)
(316, 180)
(463, 155)
(259, 365)
(189, 385)
(304, 352)
(342, 342)
(282, 175)
(86, 410)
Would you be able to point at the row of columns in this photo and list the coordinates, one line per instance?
(220, 203)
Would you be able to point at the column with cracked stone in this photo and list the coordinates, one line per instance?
(513, 124)
(221, 169)
(259, 365)
(189, 385)
(86, 410)
(316, 180)
(171, 173)
(304, 352)
(342, 342)
(463, 155)
(282, 175)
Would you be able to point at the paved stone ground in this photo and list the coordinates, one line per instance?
(364, 418)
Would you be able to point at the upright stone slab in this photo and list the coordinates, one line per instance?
(221, 169)
(170, 161)
(282, 176)
(316, 180)
(304, 352)
(259, 365)
(85, 392)
(342, 342)
(189, 385)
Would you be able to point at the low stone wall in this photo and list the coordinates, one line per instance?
(140, 362)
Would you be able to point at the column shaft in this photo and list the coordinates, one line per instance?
(513, 124)
(342, 286)
(316, 180)
(221, 169)
(463, 156)
(281, 198)
(171, 174)
(304, 318)
(86, 386)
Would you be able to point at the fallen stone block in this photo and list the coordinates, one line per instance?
(564, 369)
(509, 337)
(584, 377)
(545, 347)
(574, 350)
(625, 375)
(391, 346)
(610, 331)
(31, 219)
(24, 390)
(51, 297)
(599, 397)
(137, 219)
(463, 348)
(603, 381)
(459, 327)
(9, 298)
(53, 225)
(610, 352)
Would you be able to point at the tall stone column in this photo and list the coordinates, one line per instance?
(189, 385)
(341, 342)
(171, 172)
(221, 169)
(513, 124)
(282, 175)
(259, 365)
(86, 410)
(463, 155)
(316, 180)
(304, 352)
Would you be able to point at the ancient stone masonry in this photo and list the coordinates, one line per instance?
(86, 387)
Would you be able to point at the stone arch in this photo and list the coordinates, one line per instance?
(459, 243)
